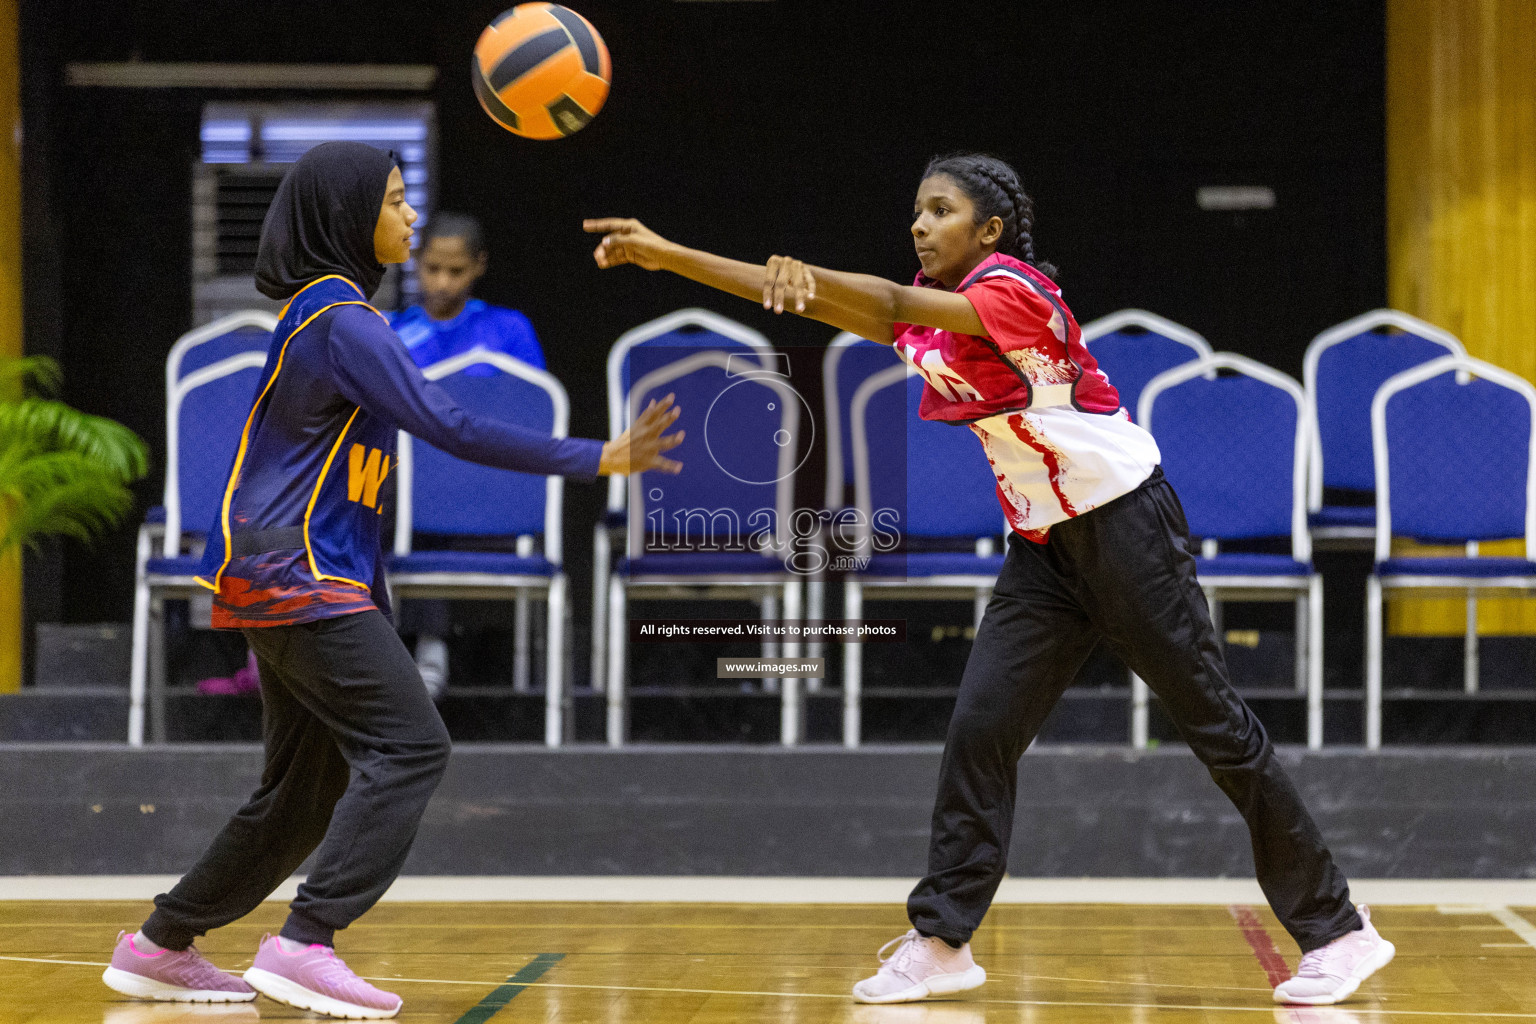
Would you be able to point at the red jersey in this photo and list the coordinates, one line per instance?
(1049, 420)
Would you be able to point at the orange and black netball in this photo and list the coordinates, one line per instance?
(541, 71)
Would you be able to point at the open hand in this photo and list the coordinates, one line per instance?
(639, 448)
(787, 281)
(625, 240)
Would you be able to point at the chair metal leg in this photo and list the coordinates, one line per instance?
(617, 622)
(156, 668)
(1303, 643)
(1471, 667)
(1373, 662)
(1138, 712)
(602, 554)
(791, 714)
(853, 666)
(522, 664)
(139, 667)
(768, 612)
(554, 663)
(815, 611)
(1314, 661)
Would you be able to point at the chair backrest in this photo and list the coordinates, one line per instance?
(740, 453)
(1132, 346)
(686, 328)
(246, 331)
(848, 362)
(205, 412)
(1454, 443)
(1234, 446)
(441, 494)
(935, 476)
(1345, 365)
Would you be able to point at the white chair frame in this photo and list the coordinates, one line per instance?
(146, 679)
(772, 585)
(976, 588)
(602, 539)
(1308, 588)
(1465, 368)
(1335, 335)
(499, 586)
(1112, 322)
(832, 500)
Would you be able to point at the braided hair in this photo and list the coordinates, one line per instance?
(995, 191)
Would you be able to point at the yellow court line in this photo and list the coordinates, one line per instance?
(1267, 1009)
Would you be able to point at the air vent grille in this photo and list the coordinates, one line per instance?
(241, 199)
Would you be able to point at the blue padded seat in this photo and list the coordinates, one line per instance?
(1245, 563)
(501, 563)
(1343, 515)
(186, 565)
(700, 563)
(1463, 567)
(934, 563)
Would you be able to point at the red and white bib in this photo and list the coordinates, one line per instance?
(1048, 418)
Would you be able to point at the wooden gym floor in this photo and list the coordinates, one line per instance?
(670, 963)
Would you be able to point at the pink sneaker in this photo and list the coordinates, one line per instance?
(181, 976)
(315, 978)
(245, 680)
(920, 967)
(1331, 973)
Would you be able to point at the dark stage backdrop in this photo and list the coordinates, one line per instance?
(749, 128)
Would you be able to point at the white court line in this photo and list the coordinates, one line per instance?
(723, 889)
(1515, 923)
(1268, 1008)
(1501, 913)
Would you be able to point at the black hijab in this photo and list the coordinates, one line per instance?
(321, 221)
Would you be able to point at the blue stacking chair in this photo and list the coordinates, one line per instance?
(445, 496)
(847, 363)
(1454, 446)
(1132, 346)
(930, 482)
(740, 457)
(246, 331)
(205, 413)
(1234, 446)
(683, 329)
(1344, 367)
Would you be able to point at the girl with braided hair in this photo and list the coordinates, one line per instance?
(1098, 550)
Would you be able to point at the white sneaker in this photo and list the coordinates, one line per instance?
(921, 966)
(432, 663)
(1331, 973)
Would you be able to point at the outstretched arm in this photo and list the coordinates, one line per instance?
(863, 304)
(372, 369)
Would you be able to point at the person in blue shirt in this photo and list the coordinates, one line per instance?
(449, 321)
(353, 746)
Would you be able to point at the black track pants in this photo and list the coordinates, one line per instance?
(1121, 573)
(354, 750)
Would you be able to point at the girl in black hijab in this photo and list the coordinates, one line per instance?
(354, 746)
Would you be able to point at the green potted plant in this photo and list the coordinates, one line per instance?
(63, 473)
